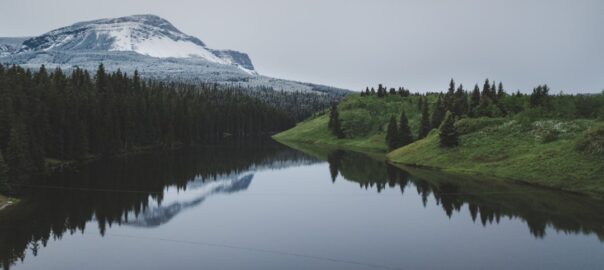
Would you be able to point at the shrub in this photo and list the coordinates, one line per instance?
(357, 123)
(592, 141)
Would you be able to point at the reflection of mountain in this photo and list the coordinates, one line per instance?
(156, 216)
(121, 191)
(488, 201)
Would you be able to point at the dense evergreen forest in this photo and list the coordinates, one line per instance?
(49, 115)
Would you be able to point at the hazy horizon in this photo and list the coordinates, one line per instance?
(353, 44)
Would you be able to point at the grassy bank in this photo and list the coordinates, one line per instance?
(364, 121)
(507, 149)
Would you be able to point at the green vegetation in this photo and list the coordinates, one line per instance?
(448, 132)
(509, 150)
(548, 140)
(364, 121)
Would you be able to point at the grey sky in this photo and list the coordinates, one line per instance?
(346, 43)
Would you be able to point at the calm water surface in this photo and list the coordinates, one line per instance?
(261, 205)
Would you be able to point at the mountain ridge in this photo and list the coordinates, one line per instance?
(149, 44)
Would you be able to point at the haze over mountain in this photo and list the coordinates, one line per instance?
(146, 43)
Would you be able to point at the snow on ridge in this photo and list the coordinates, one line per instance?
(163, 48)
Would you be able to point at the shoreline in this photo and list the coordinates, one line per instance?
(450, 170)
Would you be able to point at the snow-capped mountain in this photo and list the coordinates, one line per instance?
(146, 43)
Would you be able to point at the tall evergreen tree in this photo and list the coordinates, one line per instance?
(404, 130)
(334, 122)
(460, 104)
(438, 114)
(500, 91)
(486, 89)
(381, 91)
(450, 96)
(392, 135)
(424, 127)
(447, 131)
(474, 100)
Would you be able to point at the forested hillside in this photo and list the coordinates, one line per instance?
(550, 140)
(49, 115)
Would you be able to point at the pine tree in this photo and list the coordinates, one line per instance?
(438, 115)
(334, 122)
(460, 104)
(500, 91)
(381, 91)
(486, 89)
(493, 94)
(4, 184)
(449, 101)
(424, 127)
(404, 130)
(392, 135)
(448, 134)
(474, 100)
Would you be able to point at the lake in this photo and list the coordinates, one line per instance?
(262, 205)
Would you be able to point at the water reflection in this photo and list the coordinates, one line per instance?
(148, 191)
(488, 201)
(157, 215)
(131, 191)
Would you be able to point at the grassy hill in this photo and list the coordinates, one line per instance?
(506, 149)
(364, 121)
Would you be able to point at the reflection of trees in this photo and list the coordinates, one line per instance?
(487, 201)
(64, 203)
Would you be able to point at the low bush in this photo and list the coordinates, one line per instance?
(592, 141)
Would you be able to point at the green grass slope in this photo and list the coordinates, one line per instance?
(545, 153)
(364, 121)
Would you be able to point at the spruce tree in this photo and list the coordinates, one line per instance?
(424, 127)
(404, 130)
(450, 96)
(448, 134)
(460, 104)
(500, 91)
(381, 91)
(486, 89)
(334, 122)
(392, 135)
(493, 92)
(4, 184)
(474, 100)
(438, 115)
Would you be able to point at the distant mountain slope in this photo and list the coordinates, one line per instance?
(146, 43)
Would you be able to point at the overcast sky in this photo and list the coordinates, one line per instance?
(351, 44)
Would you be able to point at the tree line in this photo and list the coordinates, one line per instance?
(441, 110)
(52, 115)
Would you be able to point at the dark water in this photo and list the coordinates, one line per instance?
(260, 205)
